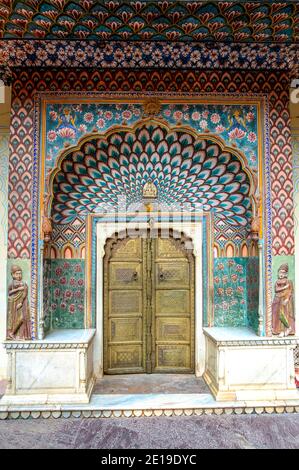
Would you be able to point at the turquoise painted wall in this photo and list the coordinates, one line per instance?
(47, 294)
(236, 292)
(252, 282)
(64, 293)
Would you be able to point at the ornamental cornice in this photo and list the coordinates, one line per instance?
(258, 342)
(34, 345)
(46, 411)
(146, 54)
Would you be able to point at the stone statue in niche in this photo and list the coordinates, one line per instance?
(18, 306)
(283, 315)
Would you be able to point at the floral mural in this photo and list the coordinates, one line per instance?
(47, 295)
(64, 301)
(253, 292)
(230, 292)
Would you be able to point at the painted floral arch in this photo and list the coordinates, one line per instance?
(107, 171)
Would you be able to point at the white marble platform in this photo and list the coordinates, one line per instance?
(70, 336)
(169, 401)
(55, 377)
(106, 406)
(56, 369)
(243, 366)
(244, 334)
(56, 337)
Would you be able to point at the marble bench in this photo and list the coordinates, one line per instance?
(240, 365)
(56, 369)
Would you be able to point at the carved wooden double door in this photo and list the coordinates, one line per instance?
(148, 306)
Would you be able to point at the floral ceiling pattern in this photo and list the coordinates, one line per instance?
(137, 20)
(157, 34)
(110, 173)
(114, 54)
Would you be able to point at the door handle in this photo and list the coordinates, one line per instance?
(161, 276)
(135, 276)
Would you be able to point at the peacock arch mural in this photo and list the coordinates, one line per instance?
(105, 173)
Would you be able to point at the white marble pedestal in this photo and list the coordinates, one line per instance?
(54, 370)
(243, 366)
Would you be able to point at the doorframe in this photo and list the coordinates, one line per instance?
(107, 229)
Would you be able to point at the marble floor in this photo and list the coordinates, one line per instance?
(151, 383)
(194, 432)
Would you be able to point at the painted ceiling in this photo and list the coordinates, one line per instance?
(107, 174)
(265, 22)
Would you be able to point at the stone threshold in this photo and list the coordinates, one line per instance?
(146, 405)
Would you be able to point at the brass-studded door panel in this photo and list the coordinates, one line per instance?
(123, 332)
(173, 342)
(149, 307)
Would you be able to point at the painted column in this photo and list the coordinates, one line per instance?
(295, 140)
(41, 313)
(261, 290)
(4, 139)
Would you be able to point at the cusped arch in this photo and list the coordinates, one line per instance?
(186, 167)
(179, 238)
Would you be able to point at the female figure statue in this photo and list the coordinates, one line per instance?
(283, 317)
(18, 306)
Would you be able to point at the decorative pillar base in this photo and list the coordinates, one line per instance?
(241, 366)
(58, 369)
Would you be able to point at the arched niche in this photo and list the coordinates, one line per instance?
(186, 167)
(197, 170)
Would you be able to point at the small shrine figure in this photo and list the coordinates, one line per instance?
(18, 306)
(66, 119)
(237, 128)
(149, 190)
(47, 228)
(236, 119)
(283, 316)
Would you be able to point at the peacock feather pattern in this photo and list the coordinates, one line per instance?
(135, 20)
(109, 173)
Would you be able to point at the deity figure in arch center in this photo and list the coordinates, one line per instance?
(149, 190)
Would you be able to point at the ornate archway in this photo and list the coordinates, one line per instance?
(107, 172)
